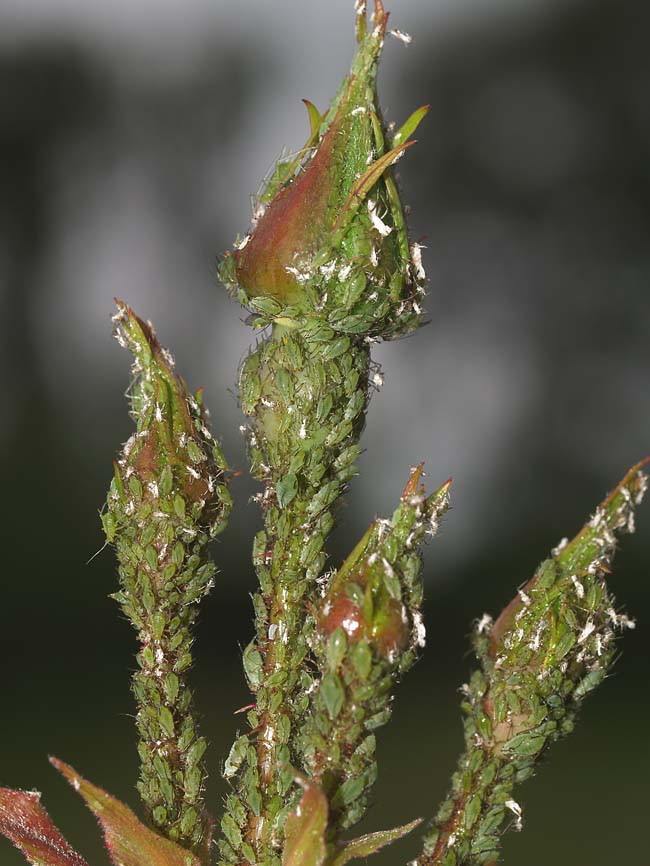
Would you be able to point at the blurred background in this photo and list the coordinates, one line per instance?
(131, 137)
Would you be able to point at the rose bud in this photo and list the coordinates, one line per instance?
(329, 236)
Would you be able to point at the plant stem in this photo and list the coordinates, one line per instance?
(308, 412)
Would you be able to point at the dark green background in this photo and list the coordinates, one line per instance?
(530, 187)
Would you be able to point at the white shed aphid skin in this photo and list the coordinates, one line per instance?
(258, 212)
(328, 268)
(419, 629)
(517, 811)
(301, 276)
(404, 38)
(580, 590)
(241, 244)
(595, 566)
(484, 625)
(380, 226)
(589, 629)
(620, 620)
(384, 526)
(560, 547)
(344, 272)
(536, 640)
(597, 518)
(526, 600)
(360, 109)
(170, 361)
(642, 487)
(416, 260)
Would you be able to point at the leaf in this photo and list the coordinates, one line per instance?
(305, 828)
(128, 841)
(30, 828)
(366, 845)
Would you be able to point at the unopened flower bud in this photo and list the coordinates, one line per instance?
(167, 500)
(368, 631)
(329, 237)
(172, 450)
(551, 645)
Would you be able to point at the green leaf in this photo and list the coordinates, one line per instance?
(366, 845)
(26, 823)
(305, 828)
(128, 841)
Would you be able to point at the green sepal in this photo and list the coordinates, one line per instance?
(365, 183)
(315, 117)
(411, 124)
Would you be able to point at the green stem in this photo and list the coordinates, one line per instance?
(307, 398)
